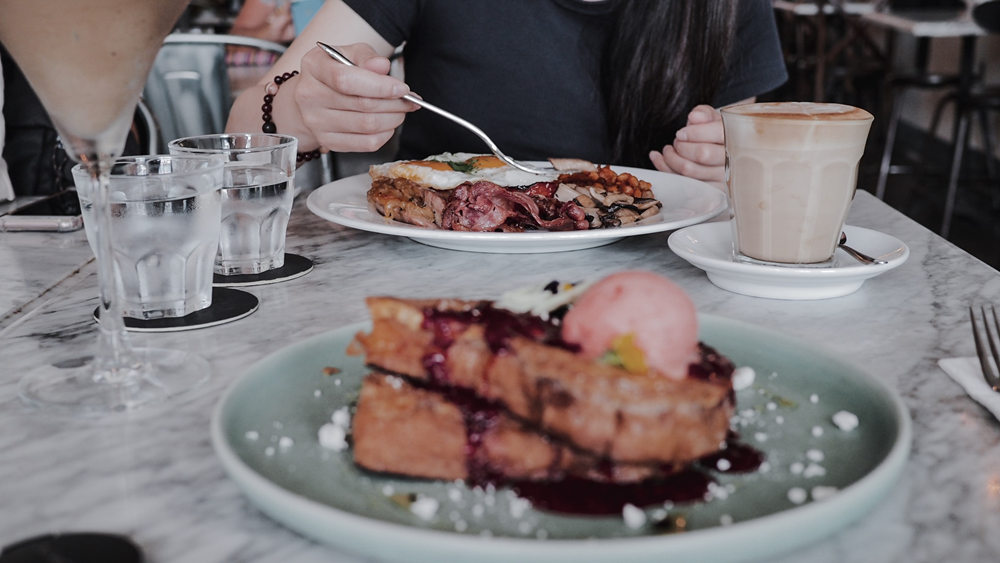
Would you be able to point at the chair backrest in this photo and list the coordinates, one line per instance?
(987, 15)
(146, 129)
(926, 4)
(189, 88)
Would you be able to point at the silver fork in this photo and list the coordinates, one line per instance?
(429, 106)
(987, 344)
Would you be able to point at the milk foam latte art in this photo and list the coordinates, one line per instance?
(792, 168)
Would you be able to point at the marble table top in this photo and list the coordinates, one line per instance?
(153, 475)
(26, 280)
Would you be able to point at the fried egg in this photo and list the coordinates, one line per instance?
(448, 170)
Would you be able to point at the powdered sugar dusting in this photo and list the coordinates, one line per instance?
(846, 421)
(634, 516)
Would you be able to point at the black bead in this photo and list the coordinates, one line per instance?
(278, 80)
(266, 108)
(268, 98)
(299, 157)
(266, 117)
(269, 127)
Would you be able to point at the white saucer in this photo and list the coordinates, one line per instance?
(709, 246)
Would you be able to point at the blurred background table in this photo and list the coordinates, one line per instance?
(815, 18)
(907, 56)
(925, 24)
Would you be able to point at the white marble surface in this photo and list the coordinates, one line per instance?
(33, 263)
(154, 476)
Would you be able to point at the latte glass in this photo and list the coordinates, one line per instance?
(791, 172)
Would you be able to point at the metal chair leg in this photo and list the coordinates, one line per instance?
(984, 122)
(936, 120)
(890, 141)
(961, 138)
(989, 142)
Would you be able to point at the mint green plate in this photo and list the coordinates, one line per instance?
(787, 414)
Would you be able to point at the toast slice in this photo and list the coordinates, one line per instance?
(519, 363)
(402, 428)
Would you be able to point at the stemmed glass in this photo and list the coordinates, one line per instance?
(88, 62)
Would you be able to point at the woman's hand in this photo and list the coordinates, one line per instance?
(698, 150)
(350, 109)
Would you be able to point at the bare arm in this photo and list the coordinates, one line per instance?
(329, 104)
(699, 149)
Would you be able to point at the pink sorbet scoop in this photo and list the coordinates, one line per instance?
(657, 313)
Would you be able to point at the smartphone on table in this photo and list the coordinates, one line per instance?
(59, 212)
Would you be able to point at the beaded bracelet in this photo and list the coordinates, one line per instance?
(270, 91)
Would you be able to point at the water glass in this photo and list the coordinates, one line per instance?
(258, 187)
(165, 219)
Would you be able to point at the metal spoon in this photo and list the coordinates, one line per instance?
(863, 258)
(479, 132)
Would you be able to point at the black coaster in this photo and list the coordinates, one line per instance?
(227, 306)
(295, 266)
(79, 547)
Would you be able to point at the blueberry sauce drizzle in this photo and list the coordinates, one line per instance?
(574, 495)
(738, 457)
(500, 326)
(712, 367)
(571, 495)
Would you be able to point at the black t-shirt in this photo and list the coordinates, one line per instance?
(527, 71)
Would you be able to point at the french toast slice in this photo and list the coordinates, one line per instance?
(404, 429)
(519, 363)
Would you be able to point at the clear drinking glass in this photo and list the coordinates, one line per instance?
(259, 186)
(88, 62)
(165, 215)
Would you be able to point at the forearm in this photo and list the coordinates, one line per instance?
(247, 113)
(335, 24)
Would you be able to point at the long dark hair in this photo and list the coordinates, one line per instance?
(663, 58)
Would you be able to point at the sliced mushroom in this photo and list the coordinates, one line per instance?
(650, 212)
(643, 204)
(565, 192)
(627, 215)
(613, 198)
(585, 201)
(598, 195)
(572, 165)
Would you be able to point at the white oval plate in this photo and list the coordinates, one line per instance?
(685, 202)
(710, 247)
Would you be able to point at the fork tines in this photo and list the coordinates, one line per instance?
(986, 331)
